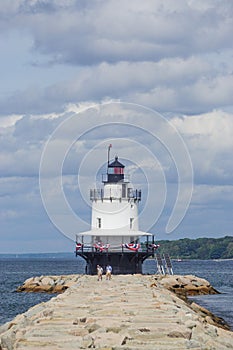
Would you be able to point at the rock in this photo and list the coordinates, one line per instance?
(79, 332)
(199, 281)
(28, 287)
(8, 340)
(190, 324)
(187, 285)
(59, 288)
(114, 329)
(60, 282)
(180, 333)
(209, 317)
(199, 309)
(199, 333)
(47, 281)
(81, 320)
(183, 280)
(43, 289)
(192, 290)
(29, 280)
(92, 327)
(47, 313)
(193, 344)
(103, 340)
(87, 342)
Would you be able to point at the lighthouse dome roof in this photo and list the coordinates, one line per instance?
(116, 164)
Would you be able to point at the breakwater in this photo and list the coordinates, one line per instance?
(128, 312)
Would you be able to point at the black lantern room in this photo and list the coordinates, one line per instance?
(115, 171)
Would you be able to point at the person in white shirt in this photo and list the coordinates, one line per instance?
(108, 272)
(99, 272)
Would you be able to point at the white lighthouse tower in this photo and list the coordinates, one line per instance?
(114, 237)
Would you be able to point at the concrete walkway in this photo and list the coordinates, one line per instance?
(124, 313)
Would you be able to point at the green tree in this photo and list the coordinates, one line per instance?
(201, 248)
(229, 251)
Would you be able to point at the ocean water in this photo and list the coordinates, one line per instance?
(14, 271)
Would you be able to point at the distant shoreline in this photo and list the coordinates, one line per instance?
(72, 256)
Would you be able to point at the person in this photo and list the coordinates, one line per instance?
(108, 272)
(99, 272)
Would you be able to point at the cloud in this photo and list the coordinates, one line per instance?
(21, 145)
(179, 85)
(209, 139)
(111, 31)
(173, 56)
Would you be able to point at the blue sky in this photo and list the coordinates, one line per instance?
(61, 57)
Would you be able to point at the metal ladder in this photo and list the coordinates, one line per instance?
(168, 264)
(159, 264)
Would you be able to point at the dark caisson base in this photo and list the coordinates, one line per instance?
(122, 263)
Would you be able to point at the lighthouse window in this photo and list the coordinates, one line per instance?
(131, 223)
(118, 171)
(98, 222)
(123, 190)
(110, 170)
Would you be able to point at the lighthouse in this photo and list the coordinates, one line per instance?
(115, 237)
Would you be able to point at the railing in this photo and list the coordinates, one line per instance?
(96, 194)
(134, 194)
(129, 248)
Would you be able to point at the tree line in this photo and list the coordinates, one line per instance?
(200, 248)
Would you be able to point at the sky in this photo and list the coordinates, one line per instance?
(153, 78)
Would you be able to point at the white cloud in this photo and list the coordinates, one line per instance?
(215, 127)
(113, 31)
(171, 84)
(173, 56)
(8, 121)
(209, 139)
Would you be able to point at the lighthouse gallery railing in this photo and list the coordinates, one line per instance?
(98, 194)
